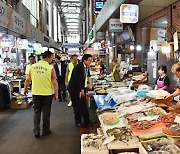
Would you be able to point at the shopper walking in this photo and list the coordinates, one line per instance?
(70, 67)
(76, 88)
(43, 79)
(60, 69)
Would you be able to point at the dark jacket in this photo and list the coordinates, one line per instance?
(76, 83)
(60, 79)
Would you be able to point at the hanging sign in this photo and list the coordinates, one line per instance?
(38, 52)
(7, 41)
(18, 23)
(37, 46)
(129, 13)
(175, 38)
(3, 15)
(29, 51)
(22, 44)
(115, 25)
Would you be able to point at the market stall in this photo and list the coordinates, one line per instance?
(132, 121)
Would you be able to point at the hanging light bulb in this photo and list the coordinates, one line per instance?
(131, 47)
(138, 48)
(166, 47)
(151, 52)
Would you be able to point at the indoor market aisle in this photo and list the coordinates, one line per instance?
(16, 134)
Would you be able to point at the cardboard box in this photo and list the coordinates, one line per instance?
(23, 105)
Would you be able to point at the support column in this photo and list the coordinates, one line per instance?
(44, 16)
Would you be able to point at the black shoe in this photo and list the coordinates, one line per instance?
(81, 125)
(37, 135)
(64, 100)
(60, 100)
(46, 133)
(91, 122)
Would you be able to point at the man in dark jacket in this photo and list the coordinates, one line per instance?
(60, 69)
(76, 89)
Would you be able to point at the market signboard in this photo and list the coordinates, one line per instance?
(22, 44)
(129, 13)
(37, 46)
(18, 24)
(3, 15)
(7, 41)
(115, 25)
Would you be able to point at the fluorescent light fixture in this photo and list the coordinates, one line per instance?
(74, 27)
(72, 24)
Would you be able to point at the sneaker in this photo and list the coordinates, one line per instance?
(70, 104)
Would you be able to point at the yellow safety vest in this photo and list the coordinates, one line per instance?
(70, 69)
(41, 78)
(28, 67)
(114, 69)
(86, 81)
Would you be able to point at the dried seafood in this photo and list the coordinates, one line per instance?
(167, 118)
(156, 111)
(93, 140)
(134, 116)
(161, 146)
(172, 129)
(143, 125)
(123, 134)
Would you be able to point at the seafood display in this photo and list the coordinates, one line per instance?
(156, 111)
(93, 140)
(133, 122)
(167, 118)
(172, 129)
(104, 110)
(101, 91)
(123, 134)
(134, 116)
(110, 118)
(160, 146)
(146, 127)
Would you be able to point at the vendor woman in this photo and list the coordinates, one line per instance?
(162, 81)
(116, 71)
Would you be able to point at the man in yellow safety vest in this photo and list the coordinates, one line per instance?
(43, 78)
(31, 62)
(74, 62)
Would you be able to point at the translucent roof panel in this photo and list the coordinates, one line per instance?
(71, 10)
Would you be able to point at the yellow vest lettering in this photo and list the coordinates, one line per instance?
(41, 78)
